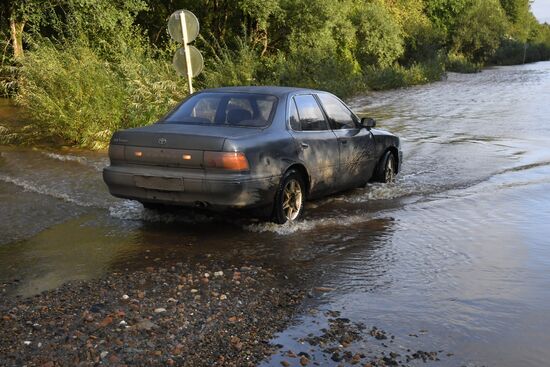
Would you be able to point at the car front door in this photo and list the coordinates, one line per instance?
(356, 143)
(316, 143)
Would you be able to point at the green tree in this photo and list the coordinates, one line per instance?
(479, 30)
(515, 9)
(380, 39)
(15, 15)
(444, 14)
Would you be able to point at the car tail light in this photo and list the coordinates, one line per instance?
(234, 161)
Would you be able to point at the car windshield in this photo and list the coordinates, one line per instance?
(225, 109)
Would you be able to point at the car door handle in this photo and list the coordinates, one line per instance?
(304, 145)
(343, 141)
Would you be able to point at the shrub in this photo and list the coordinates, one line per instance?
(398, 76)
(461, 64)
(72, 93)
(230, 67)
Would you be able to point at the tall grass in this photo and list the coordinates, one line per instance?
(72, 93)
(461, 64)
(398, 76)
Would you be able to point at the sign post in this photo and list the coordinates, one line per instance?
(185, 37)
(183, 27)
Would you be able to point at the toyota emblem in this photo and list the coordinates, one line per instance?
(162, 141)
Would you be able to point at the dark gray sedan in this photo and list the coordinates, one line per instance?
(268, 148)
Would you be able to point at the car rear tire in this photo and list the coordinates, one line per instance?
(386, 169)
(289, 199)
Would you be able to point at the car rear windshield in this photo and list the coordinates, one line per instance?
(225, 109)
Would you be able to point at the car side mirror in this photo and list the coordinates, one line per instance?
(368, 122)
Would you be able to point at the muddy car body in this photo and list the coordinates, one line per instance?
(250, 147)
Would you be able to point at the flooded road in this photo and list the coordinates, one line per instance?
(455, 256)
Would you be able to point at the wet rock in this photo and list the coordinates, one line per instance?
(236, 343)
(304, 361)
(106, 321)
(378, 334)
(88, 316)
(97, 308)
(146, 324)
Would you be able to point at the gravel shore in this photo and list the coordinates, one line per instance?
(205, 314)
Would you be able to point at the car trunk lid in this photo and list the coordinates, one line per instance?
(173, 144)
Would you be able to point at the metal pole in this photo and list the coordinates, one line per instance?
(186, 50)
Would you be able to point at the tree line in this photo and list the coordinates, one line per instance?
(83, 68)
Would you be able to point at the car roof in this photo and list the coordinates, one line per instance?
(274, 90)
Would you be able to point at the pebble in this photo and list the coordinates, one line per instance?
(146, 324)
(106, 321)
(130, 316)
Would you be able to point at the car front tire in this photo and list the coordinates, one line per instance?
(386, 169)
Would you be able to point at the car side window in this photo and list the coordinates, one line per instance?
(310, 114)
(339, 115)
(293, 117)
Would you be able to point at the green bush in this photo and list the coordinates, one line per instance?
(72, 93)
(398, 76)
(461, 64)
(230, 67)
(510, 52)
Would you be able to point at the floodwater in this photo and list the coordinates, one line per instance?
(457, 252)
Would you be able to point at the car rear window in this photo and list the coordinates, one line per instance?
(225, 109)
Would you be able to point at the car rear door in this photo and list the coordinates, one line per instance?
(316, 143)
(355, 143)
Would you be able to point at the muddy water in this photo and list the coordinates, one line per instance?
(455, 254)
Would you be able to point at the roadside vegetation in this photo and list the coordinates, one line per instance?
(85, 68)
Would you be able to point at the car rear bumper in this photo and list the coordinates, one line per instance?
(194, 188)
